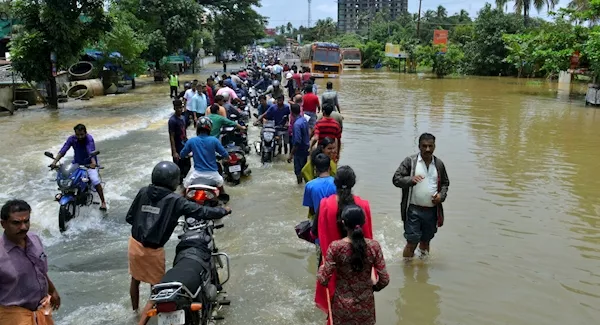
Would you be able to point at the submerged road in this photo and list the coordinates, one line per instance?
(521, 243)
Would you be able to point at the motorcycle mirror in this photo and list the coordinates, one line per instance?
(233, 116)
(95, 153)
(49, 154)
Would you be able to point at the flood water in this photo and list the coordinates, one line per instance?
(521, 243)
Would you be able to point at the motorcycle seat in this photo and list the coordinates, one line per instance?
(204, 181)
(188, 272)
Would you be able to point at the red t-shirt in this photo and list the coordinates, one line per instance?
(298, 79)
(210, 96)
(310, 102)
(327, 127)
(306, 76)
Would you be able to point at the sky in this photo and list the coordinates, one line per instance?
(280, 12)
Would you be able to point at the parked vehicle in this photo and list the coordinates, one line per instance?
(75, 188)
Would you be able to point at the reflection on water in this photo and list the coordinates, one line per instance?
(419, 301)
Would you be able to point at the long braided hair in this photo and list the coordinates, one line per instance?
(344, 182)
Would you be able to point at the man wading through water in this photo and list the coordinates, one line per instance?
(424, 183)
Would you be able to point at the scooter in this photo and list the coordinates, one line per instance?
(231, 134)
(192, 291)
(204, 191)
(75, 190)
(236, 165)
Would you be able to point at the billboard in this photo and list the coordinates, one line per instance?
(394, 51)
(440, 37)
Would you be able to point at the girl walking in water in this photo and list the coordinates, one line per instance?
(328, 227)
(352, 258)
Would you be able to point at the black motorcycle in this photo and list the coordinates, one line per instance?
(271, 143)
(191, 293)
(234, 135)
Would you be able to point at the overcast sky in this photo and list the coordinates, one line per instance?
(280, 12)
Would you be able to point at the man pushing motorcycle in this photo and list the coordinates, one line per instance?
(83, 145)
(153, 216)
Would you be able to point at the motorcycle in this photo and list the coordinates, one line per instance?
(244, 107)
(75, 190)
(204, 191)
(234, 135)
(253, 95)
(191, 293)
(236, 166)
(266, 146)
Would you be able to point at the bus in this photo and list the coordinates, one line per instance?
(321, 59)
(351, 58)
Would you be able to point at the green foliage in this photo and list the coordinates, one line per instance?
(60, 26)
(57, 27)
(442, 63)
(486, 52)
(123, 39)
(238, 26)
(348, 40)
(165, 25)
(372, 53)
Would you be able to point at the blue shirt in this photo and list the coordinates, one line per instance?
(82, 149)
(316, 190)
(204, 148)
(199, 103)
(262, 109)
(277, 114)
(300, 135)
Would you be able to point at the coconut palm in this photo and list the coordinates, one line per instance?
(290, 28)
(525, 6)
(500, 4)
(441, 12)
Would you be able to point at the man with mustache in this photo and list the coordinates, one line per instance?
(27, 295)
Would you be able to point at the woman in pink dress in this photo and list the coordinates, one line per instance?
(352, 258)
(329, 222)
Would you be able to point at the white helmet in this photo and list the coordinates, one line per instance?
(225, 96)
(288, 75)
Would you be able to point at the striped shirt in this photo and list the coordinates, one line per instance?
(327, 127)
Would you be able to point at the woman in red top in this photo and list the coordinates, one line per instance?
(352, 259)
(329, 222)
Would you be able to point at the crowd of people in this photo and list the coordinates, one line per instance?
(351, 263)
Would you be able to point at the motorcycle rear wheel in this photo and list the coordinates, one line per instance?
(65, 214)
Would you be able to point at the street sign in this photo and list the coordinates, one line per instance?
(440, 37)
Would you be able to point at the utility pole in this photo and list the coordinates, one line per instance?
(419, 19)
(309, 20)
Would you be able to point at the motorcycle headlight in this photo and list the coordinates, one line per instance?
(65, 183)
(268, 136)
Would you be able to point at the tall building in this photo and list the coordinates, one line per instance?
(353, 15)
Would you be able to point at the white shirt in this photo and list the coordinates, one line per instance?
(188, 98)
(423, 191)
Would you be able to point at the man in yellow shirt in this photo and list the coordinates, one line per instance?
(174, 83)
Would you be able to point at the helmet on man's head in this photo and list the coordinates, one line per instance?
(166, 174)
(204, 123)
(226, 96)
(288, 75)
(276, 83)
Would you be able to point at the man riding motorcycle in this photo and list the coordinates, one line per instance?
(204, 148)
(153, 217)
(275, 90)
(279, 113)
(264, 83)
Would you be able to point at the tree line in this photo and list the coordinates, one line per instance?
(496, 42)
(54, 33)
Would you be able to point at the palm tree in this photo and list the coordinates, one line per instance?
(500, 4)
(290, 28)
(441, 12)
(463, 16)
(525, 6)
(325, 29)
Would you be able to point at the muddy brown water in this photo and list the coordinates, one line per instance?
(521, 244)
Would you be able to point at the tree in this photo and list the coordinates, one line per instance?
(166, 25)
(124, 40)
(525, 6)
(325, 29)
(441, 12)
(290, 28)
(62, 27)
(241, 18)
(485, 54)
